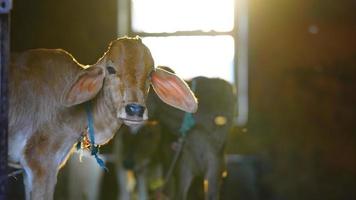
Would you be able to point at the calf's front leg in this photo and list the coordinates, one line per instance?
(185, 180)
(41, 161)
(213, 178)
(142, 186)
(40, 183)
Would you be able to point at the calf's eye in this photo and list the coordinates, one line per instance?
(111, 70)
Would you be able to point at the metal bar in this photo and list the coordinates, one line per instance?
(129, 19)
(241, 63)
(5, 7)
(183, 33)
(123, 17)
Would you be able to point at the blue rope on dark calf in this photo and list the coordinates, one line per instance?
(188, 119)
(187, 124)
(93, 148)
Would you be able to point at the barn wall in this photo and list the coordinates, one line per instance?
(303, 94)
(82, 27)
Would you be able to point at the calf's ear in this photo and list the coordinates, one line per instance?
(173, 90)
(85, 87)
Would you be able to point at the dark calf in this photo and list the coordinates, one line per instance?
(135, 151)
(202, 156)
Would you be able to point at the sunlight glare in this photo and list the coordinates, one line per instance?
(182, 15)
(191, 56)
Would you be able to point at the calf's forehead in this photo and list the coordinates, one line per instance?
(130, 53)
(133, 62)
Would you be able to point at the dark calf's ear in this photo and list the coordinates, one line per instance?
(173, 90)
(85, 87)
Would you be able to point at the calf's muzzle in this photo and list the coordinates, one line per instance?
(134, 110)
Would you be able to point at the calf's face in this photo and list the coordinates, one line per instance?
(125, 73)
(129, 65)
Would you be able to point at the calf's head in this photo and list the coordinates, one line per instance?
(124, 75)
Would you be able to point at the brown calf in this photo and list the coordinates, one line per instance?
(47, 92)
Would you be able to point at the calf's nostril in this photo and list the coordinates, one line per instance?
(135, 110)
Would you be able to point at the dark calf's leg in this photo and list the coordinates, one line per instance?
(185, 181)
(213, 178)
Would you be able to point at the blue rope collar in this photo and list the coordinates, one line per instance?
(94, 149)
(188, 119)
(187, 124)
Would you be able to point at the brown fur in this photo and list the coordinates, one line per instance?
(46, 115)
(43, 130)
(37, 145)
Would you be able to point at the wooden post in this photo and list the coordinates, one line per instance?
(5, 7)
